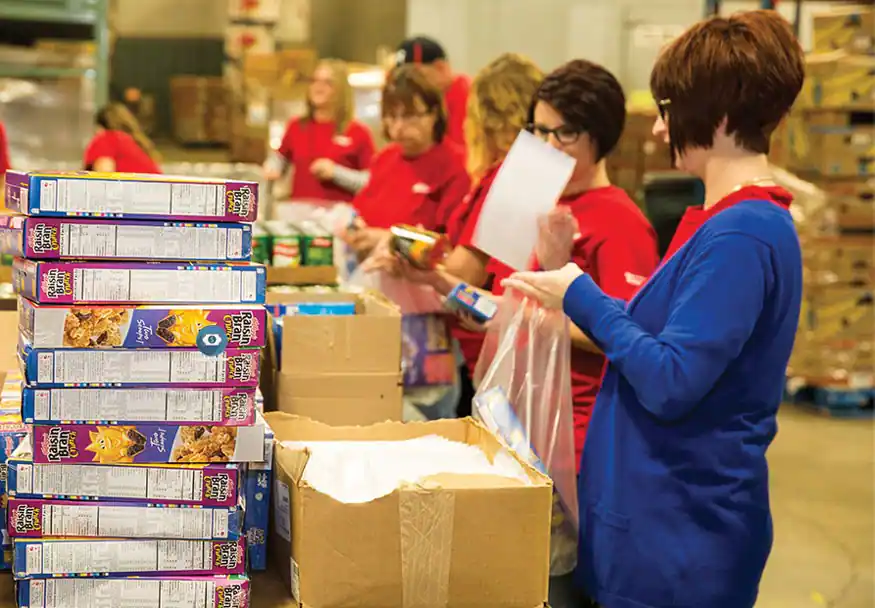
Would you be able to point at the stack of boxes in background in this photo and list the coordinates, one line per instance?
(638, 152)
(830, 141)
(201, 110)
(141, 384)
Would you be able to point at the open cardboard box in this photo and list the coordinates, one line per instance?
(337, 369)
(477, 541)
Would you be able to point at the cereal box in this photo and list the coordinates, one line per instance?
(138, 282)
(39, 518)
(47, 326)
(213, 485)
(154, 592)
(130, 195)
(220, 406)
(69, 557)
(427, 356)
(146, 443)
(68, 238)
(46, 368)
(12, 433)
(257, 484)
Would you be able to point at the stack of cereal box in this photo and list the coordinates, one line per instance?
(12, 432)
(140, 383)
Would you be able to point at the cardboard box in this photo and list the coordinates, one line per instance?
(216, 407)
(449, 541)
(851, 29)
(131, 195)
(839, 80)
(851, 203)
(139, 326)
(839, 260)
(338, 369)
(41, 518)
(112, 368)
(71, 557)
(139, 282)
(242, 39)
(146, 443)
(261, 11)
(210, 485)
(157, 592)
(67, 238)
(835, 143)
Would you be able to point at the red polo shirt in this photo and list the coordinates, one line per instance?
(456, 102)
(696, 216)
(617, 248)
(129, 157)
(422, 190)
(306, 140)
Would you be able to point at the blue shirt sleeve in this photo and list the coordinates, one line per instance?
(716, 304)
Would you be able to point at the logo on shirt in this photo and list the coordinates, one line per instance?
(44, 238)
(342, 140)
(635, 280)
(421, 188)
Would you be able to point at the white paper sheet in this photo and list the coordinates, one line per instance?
(527, 186)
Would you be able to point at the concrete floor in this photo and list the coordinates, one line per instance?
(823, 473)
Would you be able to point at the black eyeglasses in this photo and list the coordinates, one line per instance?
(662, 106)
(564, 134)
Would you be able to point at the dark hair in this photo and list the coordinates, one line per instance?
(404, 85)
(589, 98)
(115, 116)
(747, 69)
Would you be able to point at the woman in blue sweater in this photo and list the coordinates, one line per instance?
(674, 489)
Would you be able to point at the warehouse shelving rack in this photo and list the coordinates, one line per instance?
(79, 12)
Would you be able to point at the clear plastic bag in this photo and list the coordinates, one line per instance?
(524, 396)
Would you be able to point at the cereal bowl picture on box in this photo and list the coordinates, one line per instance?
(146, 443)
(107, 327)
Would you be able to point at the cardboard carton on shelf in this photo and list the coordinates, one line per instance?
(451, 540)
(838, 80)
(256, 11)
(336, 369)
(851, 202)
(834, 143)
(849, 28)
(241, 39)
(843, 260)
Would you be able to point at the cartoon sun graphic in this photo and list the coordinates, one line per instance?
(181, 327)
(115, 444)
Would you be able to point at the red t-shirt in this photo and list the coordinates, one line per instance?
(422, 190)
(617, 248)
(121, 147)
(696, 216)
(307, 140)
(456, 102)
(4, 151)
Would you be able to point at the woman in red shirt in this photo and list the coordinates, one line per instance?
(325, 140)
(419, 178)
(4, 160)
(120, 144)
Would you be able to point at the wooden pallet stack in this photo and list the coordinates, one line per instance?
(831, 143)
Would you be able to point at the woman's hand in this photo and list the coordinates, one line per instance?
(467, 322)
(382, 257)
(323, 169)
(548, 287)
(363, 240)
(556, 233)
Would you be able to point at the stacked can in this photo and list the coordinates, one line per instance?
(140, 382)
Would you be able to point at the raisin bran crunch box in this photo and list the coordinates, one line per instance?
(146, 443)
(139, 282)
(75, 238)
(208, 485)
(52, 326)
(85, 557)
(44, 518)
(155, 592)
(214, 406)
(130, 195)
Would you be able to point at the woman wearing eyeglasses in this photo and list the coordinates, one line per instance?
(674, 481)
(419, 178)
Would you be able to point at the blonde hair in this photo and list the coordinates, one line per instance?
(498, 107)
(116, 117)
(344, 106)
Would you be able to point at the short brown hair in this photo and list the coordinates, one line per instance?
(747, 69)
(406, 83)
(589, 98)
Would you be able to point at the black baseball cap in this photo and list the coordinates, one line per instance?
(420, 49)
